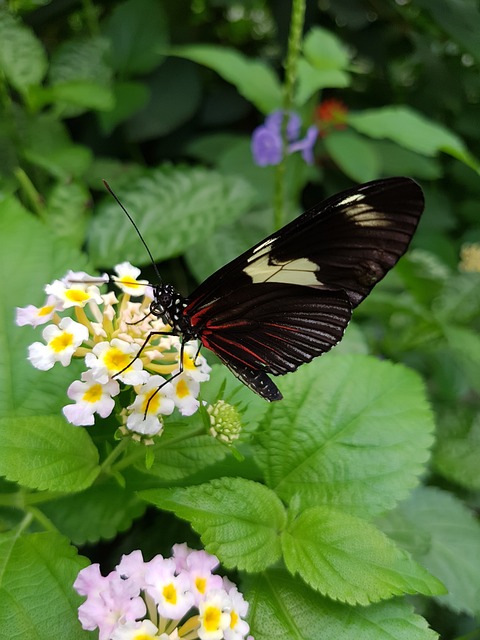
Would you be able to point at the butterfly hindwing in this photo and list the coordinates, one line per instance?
(290, 297)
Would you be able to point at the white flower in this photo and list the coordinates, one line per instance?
(90, 397)
(126, 279)
(36, 315)
(170, 592)
(144, 630)
(185, 392)
(238, 628)
(73, 293)
(62, 342)
(108, 359)
(214, 615)
(194, 364)
(149, 404)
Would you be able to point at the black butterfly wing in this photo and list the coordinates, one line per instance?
(289, 298)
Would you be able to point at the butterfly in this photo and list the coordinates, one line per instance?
(290, 298)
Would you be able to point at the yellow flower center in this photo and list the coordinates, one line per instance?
(77, 295)
(129, 281)
(182, 389)
(170, 593)
(233, 619)
(93, 394)
(144, 636)
(154, 405)
(211, 618)
(61, 342)
(201, 583)
(188, 362)
(116, 360)
(44, 311)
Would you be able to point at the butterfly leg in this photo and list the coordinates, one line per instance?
(175, 375)
(147, 340)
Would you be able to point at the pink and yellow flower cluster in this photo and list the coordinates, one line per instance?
(164, 599)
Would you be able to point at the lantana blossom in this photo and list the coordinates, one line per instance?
(109, 332)
(158, 599)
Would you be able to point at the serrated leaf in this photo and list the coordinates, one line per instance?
(254, 79)
(22, 57)
(351, 432)
(138, 33)
(98, 513)
(457, 449)
(238, 520)
(36, 596)
(32, 257)
(179, 458)
(464, 344)
(67, 211)
(173, 207)
(80, 59)
(353, 154)
(284, 608)
(45, 452)
(453, 550)
(348, 559)
(412, 130)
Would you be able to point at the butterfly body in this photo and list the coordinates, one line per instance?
(289, 298)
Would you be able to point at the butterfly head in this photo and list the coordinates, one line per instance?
(164, 296)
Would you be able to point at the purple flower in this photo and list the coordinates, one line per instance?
(306, 145)
(267, 145)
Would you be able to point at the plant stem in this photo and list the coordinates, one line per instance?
(293, 52)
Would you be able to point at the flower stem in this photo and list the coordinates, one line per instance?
(293, 52)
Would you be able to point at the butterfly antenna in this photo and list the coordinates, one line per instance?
(111, 192)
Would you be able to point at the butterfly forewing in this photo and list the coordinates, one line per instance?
(290, 297)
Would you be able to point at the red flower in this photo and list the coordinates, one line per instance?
(331, 114)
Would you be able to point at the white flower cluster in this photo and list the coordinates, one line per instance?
(164, 599)
(109, 332)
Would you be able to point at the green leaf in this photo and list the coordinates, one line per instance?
(98, 513)
(37, 599)
(311, 79)
(452, 534)
(238, 520)
(460, 19)
(254, 80)
(68, 206)
(176, 457)
(138, 33)
(47, 453)
(80, 59)
(32, 257)
(81, 93)
(351, 432)
(63, 162)
(348, 559)
(325, 50)
(353, 154)
(22, 57)
(457, 450)
(175, 93)
(129, 98)
(284, 608)
(465, 346)
(459, 300)
(173, 207)
(411, 130)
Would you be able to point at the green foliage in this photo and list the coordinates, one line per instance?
(362, 484)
